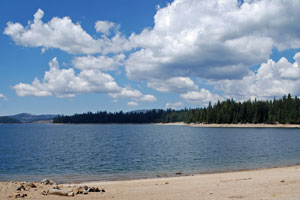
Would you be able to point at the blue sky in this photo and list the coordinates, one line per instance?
(68, 57)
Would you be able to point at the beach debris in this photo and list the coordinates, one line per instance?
(80, 189)
(31, 185)
(178, 173)
(58, 192)
(71, 194)
(96, 189)
(20, 196)
(47, 182)
(85, 192)
(21, 188)
(211, 193)
(58, 187)
(282, 181)
(166, 183)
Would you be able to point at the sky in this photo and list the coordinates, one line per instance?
(66, 57)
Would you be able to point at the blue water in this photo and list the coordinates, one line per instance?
(111, 152)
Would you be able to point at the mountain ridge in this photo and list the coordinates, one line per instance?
(28, 118)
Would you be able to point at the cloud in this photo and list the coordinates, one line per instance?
(133, 94)
(59, 33)
(202, 97)
(63, 34)
(2, 96)
(103, 63)
(132, 103)
(272, 79)
(213, 39)
(66, 83)
(106, 26)
(175, 84)
(174, 106)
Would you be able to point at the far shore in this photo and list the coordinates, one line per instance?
(179, 124)
(233, 125)
(277, 183)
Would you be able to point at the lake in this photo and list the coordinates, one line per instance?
(77, 153)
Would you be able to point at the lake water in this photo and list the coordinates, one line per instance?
(111, 152)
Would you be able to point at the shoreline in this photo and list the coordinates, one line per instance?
(231, 125)
(200, 125)
(86, 179)
(273, 183)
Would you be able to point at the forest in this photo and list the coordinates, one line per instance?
(283, 111)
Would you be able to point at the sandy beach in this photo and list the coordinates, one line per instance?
(233, 125)
(275, 183)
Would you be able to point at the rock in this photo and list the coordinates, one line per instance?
(79, 190)
(20, 196)
(85, 192)
(45, 193)
(58, 192)
(94, 189)
(178, 173)
(71, 194)
(57, 187)
(47, 182)
(21, 188)
(82, 189)
(166, 183)
(31, 185)
(85, 187)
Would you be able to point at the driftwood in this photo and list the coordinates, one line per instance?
(58, 192)
(47, 182)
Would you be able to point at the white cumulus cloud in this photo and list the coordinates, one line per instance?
(2, 96)
(175, 84)
(272, 79)
(106, 26)
(59, 33)
(213, 39)
(103, 63)
(63, 34)
(66, 83)
(201, 97)
(133, 94)
(174, 106)
(132, 103)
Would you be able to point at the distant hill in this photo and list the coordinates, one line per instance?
(27, 118)
(8, 120)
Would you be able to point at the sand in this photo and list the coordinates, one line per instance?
(277, 183)
(232, 125)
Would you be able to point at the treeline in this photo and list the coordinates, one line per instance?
(151, 116)
(8, 120)
(284, 111)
